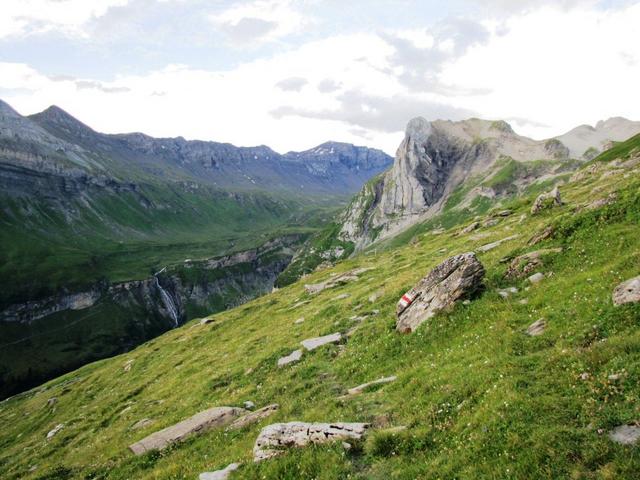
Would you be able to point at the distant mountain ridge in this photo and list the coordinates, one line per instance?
(333, 168)
(107, 240)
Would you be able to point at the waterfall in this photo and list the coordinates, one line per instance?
(168, 302)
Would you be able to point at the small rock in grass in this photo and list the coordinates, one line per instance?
(627, 292)
(536, 278)
(625, 434)
(507, 292)
(253, 417)
(54, 431)
(342, 296)
(249, 405)
(294, 356)
(145, 422)
(361, 388)
(537, 328)
(584, 376)
(299, 321)
(220, 474)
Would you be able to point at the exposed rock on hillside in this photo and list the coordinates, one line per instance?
(436, 157)
(254, 417)
(200, 422)
(276, 438)
(627, 292)
(547, 200)
(454, 279)
(524, 265)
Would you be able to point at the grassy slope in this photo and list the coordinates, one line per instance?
(114, 237)
(481, 399)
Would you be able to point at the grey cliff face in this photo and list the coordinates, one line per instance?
(436, 157)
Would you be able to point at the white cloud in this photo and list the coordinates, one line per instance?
(546, 70)
(260, 21)
(556, 67)
(27, 17)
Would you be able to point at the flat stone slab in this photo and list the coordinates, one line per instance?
(276, 438)
(491, 246)
(253, 417)
(361, 388)
(200, 422)
(220, 474)
(313, 343)
(625, 434)
(294, 356)
(627, 292)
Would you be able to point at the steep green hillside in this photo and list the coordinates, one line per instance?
(128, 236)
(479, 398)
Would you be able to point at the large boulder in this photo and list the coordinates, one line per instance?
(627, 292)
(275, 438)
(200, 422)
(454, 279)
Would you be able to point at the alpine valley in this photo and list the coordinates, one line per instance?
(469, 309)
(109, 240)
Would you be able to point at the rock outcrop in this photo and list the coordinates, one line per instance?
(525, 264)
(627, 292)
(546, 200)
(276, 438)
(200, 422)
(455, 279)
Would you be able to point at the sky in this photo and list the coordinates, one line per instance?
(292, 74)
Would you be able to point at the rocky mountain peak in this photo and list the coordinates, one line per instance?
(418, 130)
(7, 112)
(58, 121)
(436, 157)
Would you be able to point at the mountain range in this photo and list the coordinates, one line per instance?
(446, 169)
(495, 337)
(109, 240)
